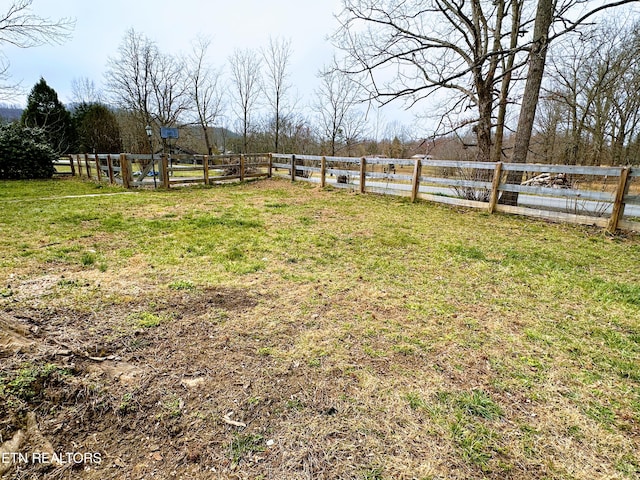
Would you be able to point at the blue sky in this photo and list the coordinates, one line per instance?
(100, 28)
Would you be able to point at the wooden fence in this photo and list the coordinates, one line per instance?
(607, 197)
(163, 170)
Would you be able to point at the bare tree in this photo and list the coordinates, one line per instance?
(472, 49)
(547, 11)
(148, 83)
(537, 61)
(594, 87)
(411, 50)
(22, 28)
(580, 74)
(277, 57)
(337, 99)
(84, 91)
(625, 99)
(170, 89)
(128, 76)
(247, 83)
(508, 61)
(297, 134)
(548, 138)
(205, 90)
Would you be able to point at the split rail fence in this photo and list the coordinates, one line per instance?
(164, 170)
(607, 197)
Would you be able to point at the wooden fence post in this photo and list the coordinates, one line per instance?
(160, 172)
(164, 171)
(618, 203)
(495, 187)
(73, 168)
(164, 167)
(98, 170)
(125, 171)
(323, 172)
(88, 167)
(363, 174)
(242, 160)
(205, 169)
(270, 167)
(415, 186)
(79, 165)
(293, 168)
(110, 169)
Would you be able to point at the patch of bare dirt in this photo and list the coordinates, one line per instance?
(164, 400)
(13, 337)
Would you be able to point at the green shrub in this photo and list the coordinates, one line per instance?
(24, 153)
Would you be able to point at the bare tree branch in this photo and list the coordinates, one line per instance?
(337, 99)
(277, 56)
(247, 83)
(412, 50)
(23, 29)
(205, 89)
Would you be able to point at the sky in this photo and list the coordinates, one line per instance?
(173, 25)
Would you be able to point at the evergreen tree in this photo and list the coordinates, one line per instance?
(45, 111)
(396, 149)
(97, 129)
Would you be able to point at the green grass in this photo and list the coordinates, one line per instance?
(146, 319)
(424, 339)
(478, 403)
(33, 190)
(182, 285)
(244, 445)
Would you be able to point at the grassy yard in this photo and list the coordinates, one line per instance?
(276, 331)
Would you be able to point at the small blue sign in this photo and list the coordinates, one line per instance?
(166, 132)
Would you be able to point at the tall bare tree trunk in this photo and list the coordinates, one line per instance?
(277, 57)
(537, 60)
(207, 140)
(483, 133)
(516, 9)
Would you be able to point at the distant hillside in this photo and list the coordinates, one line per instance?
(192, 138)
(216, 132)
(10, 114)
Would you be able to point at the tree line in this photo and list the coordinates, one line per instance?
(255, 99)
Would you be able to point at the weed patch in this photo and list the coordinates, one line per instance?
(31, 380)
